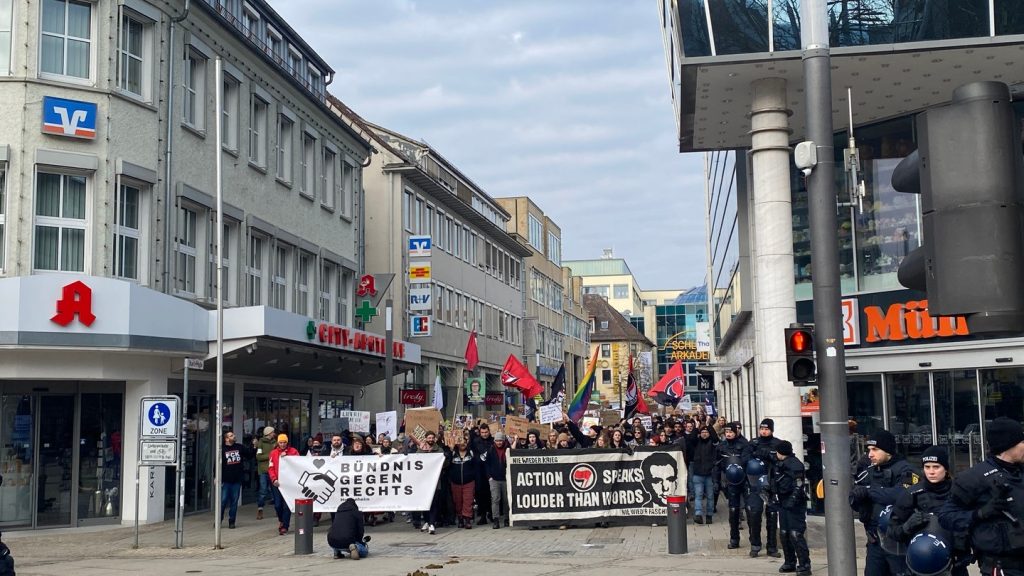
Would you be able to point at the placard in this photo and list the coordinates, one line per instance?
(516, 426)
(550, 413)
(419, 421)
(610, 417)
(387, 424)
(358, 421)
(647, 421)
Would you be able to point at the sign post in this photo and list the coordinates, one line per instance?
(159, 435)
(179, 493)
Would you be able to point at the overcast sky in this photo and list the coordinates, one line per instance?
(564, 101)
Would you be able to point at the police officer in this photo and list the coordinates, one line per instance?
(915, 508)
(987, 502)
(762, 449)
(876, 487)
(733, 453)
(790, 489)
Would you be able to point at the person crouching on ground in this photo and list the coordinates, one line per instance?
(346, 533)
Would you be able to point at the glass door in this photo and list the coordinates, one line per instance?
(55, 460)
(957, 413)
(99, 472)
(17, 455)
(910, 415)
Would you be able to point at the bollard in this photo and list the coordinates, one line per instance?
(303, 520)
(677, 525)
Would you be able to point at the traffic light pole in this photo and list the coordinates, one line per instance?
(828, 330)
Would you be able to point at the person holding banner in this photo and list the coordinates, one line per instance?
(430, 445)
(284, 514)
(462, 474)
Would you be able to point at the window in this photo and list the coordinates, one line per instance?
(254, 272)
(126, 232)
(285, 159)
(437, 301)
(536, 233)
(456, 235)
(417, 216)
(606, 376)
(328, 284)
(554, 249)
(316, 81)
(229, 113)
(60, 222)
(348, 188)
(429, 221)
(66, 48)
(250, 21)
(185, 243)
(606, 350)
(328, 178)
(465, 244)
(302, 283)
(439, 229)
(449, 238)
(620, 291)
(257, 130)
(604, 324)
(308, 165)
(601, 291)
(226, 262)
(407, 210)
(295, 62)
(195, 90)
(279, 278)
(275, 47)
(134, 53)
(345, 283)
(6, 26)
(3, 220)
(447, 305)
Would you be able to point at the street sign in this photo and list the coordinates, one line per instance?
(420, 299)
(419, 326)
(194, 363)
(419, 246)
(160, 417)
(419, 272)
(158, 452)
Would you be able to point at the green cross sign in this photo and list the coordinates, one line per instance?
(366, 311)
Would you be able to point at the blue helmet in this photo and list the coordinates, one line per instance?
(890, 545)
(755, 467)
(735, 475)
(928, 554)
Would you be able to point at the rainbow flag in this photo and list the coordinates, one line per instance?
(581, 398)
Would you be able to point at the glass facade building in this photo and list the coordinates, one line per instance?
(677, 336)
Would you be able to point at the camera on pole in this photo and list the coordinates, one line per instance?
(800, 365)
(969, 171)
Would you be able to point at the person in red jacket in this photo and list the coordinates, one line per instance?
(284, 514)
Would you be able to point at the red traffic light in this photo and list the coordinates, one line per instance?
(800, 341)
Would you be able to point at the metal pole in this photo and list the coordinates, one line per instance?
(831, 356)
(179, 493)
(220, 304)
(136, 546)
(389, 358)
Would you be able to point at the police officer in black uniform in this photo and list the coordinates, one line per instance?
(762, 449)
(790, 489)
(733, 453)
(987, 502)
(876, 487)
(916, 508)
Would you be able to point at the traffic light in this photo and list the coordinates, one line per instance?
(969, 170)
(800, 366)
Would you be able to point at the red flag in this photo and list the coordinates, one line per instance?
(669, 390)
(472, 357)
(515, 375)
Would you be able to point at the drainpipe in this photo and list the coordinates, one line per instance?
(170, 145)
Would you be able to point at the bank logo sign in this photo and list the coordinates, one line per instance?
(71, 118)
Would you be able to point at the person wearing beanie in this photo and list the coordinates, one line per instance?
(917, 507)
(987, 502)
(733, 450)
(788, 477)
(284, 514)
(878, 486)
(264, 446)
(762, 448)
(495, 472)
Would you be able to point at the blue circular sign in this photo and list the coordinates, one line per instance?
(159, 414)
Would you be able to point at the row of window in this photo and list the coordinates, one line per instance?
(577, 328)
(488, 212)
(276, 273)
(460, 310)
(553, 249)
(545, 291)
(420, 216)
(618, 291)
(550, 343)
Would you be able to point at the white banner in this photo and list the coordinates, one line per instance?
(358, 421)
(550, 413)
(391, 483)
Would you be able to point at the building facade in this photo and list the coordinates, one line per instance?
(107, 215)
(927, 380)
(475, 272)
(615, 341)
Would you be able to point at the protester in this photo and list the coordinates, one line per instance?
(480, 443)
(533, 440)
(462, 475)
(431, 445)
(702, 462)
(233, 458)
(284, 514)
(495, 471)
(347, 532)
(264, 446)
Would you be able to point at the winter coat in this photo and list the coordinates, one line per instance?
(6, 561)
(464, 467)
(275, 460)
(347, 526)
(263, 450)
(705, 456)
(494, 462)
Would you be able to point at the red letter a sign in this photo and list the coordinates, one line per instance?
(76, 300)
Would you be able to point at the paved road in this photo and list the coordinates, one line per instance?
(255, 549)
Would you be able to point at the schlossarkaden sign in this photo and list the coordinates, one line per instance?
(391, 483)
(591, 483)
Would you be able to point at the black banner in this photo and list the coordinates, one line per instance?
(565, 485)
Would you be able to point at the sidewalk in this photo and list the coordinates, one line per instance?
(255, 549)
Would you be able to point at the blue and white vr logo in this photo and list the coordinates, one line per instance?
(69, 117)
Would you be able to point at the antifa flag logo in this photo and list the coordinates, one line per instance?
(674, 391)
(583, 477)
(508, 379)
(631, 395)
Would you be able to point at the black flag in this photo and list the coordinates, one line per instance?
(557, 388)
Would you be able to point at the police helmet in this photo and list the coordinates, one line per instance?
(734, 474)
(928, 554)
(755, 467)
(890, 545)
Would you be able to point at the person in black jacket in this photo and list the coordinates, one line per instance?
(762, 449)
(987, 502)
(346, 533)
(495, 471)
(480, 441)
(876, 487)
(733, 451)
(790, 489)
(232, 471)
(703, 461)
(462, 473)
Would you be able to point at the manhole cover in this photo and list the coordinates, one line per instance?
(605, 541)
(413, 544)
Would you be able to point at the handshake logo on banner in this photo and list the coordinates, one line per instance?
(318, 486)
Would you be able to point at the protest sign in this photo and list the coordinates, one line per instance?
(420, 421)
(358, 421)
(390, 483)
(647, 421)
(610, 417)
(516, 426)
(550, 413)
(387, 424)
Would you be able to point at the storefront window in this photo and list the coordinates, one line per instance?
(956, 416)
(99, 476)
(864, 399)
(1002, 393)
(910, 417)
(16, 432)
(802, 242)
